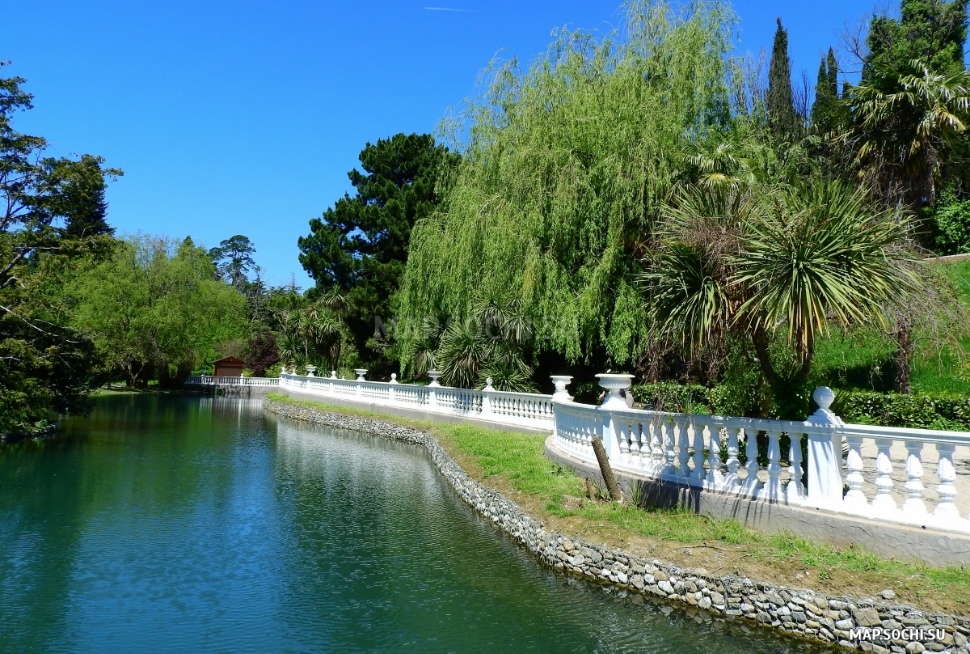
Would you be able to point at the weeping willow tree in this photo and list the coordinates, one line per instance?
(565, 166)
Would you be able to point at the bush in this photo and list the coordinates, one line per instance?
(951, 225)
(673, 397)
(919, 411)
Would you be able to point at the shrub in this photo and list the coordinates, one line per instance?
(920, 411)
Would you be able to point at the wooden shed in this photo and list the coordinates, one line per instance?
(229, 367)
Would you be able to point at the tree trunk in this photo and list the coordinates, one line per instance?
(606, 470)
(903, 336)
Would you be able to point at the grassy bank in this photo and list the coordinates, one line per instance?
(514, 464)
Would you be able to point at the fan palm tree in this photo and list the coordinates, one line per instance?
(901, 123)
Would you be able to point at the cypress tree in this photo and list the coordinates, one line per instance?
(825, 109)
(781, 107)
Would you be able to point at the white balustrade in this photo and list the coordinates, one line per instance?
(687, 450)
(524, 409)
(209, 380)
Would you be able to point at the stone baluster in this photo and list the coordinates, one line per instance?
(733, 450)
(656, 445)
(855, 498)
(913, 506)
(683, 445)
(883, 502)
(698, 458)
(751, 482)
(622, 427)
(795, 490)
(773, 487)
(670, 432)
(634, 441)
(714, 476)
(947, 474)
(309, 370)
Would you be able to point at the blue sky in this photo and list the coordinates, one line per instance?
(244, 117)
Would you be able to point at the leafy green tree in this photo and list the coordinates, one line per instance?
(233, 259)
(781, 105)
(934, 31)
(52, 218)
(154, 309)
(359, 246)
(564, 168)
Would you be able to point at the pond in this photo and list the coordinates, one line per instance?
(173, 524)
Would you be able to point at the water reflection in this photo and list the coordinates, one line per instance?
(203, 524)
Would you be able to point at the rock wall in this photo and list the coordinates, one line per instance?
(866, 624)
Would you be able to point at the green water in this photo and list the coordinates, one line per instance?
(184, 524)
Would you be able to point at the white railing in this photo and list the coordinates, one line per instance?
(523, 409)
(209, 380)
(883, 469)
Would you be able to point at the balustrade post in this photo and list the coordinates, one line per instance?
(390, 388)
(432, 394)
(310, 370)
(883, 502)
(795, 491)
(487, 398)
(913, 505)
(359, 388)
(947, 474)
(614, 383)
(825, 452)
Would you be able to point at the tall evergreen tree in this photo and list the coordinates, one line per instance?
(781, 107)
(826, 109)
(359, 247)
(934, 31)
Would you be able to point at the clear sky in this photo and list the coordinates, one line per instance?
(244, 117)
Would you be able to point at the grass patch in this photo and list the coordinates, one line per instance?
(512, 460)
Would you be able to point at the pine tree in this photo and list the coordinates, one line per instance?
(781, 107)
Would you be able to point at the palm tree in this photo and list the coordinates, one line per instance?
(902, 121)
(776, 266)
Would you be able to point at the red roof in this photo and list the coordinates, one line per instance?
(230, 360)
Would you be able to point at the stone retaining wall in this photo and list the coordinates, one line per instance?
(802, 613)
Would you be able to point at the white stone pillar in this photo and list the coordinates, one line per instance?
(825, 452)
(487, 398)
(614, 401)
(432, 395)
(390, 390)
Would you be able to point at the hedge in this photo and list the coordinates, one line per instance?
(920, 411)
(915, 410)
